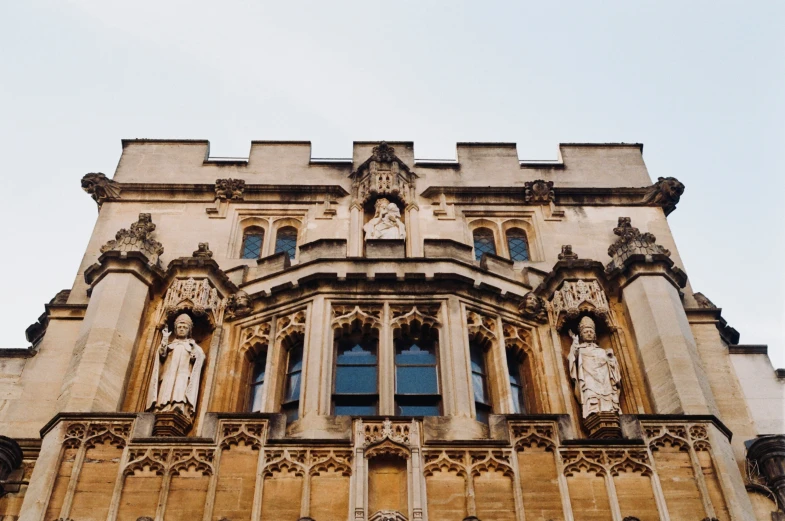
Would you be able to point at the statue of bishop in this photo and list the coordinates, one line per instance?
(594, 372)
(177, 369)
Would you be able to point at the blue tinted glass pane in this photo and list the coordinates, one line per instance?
(518, 245)
(293, 387)
(517, 399)
(355, 380)
(477, 359)
(286, 240)
(355, 410)
(252, 246)
(418, 410)
(256, 398)
(478, 384)
(415, 355)
(295, 358)
(357, 356)
(483, 242)
(258, 368)
(416, 380)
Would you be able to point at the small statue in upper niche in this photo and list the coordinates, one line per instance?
(174, 384)
(386, 223)
(594, 371)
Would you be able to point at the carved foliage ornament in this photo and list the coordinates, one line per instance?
(631, 242)
(666, 192)
(137, 238)
(538, 192)
(100, 187)
(229, 189)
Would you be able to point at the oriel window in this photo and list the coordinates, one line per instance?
(253, 238)
(292, 383)
(286, 241)
(355, 389)
(482, 400)
(416, 373)
(257, 381)
(483, 242)
(518, 244)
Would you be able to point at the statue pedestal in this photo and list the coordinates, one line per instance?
(603, 425)
(171, 423)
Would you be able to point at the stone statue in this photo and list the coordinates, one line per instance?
(594, 372)
(386, 223)
(174, 384)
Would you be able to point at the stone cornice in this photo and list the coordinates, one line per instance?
(133, 262)
(203, 192)
(564, 196)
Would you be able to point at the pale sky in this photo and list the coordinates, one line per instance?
(700, 84)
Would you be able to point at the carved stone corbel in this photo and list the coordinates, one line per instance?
(230, 189)
(666, 193)
(100, 188)
(538, 192)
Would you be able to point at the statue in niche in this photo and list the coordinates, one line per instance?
(594, 371)
(174, 384)
(386, 222)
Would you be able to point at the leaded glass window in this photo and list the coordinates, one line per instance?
(517, 244)
(355, 391)
(416, 376)
(482, 401)
(252, 243)
(483, 242)
(286, 240)
(294, 369)
(257, 381)
(516, 383)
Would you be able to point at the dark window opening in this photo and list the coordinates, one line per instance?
(252, 243)
(516, 383)
(416, 373)
(517, 244)
(355, 388)
(482, 399)
(286, 241)
(291, 396)
(257, 381)
(483, 242)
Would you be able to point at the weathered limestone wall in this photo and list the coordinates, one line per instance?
(764, 391)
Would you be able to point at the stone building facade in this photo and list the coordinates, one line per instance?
(382, 338)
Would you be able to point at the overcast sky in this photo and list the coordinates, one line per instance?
(701, 84)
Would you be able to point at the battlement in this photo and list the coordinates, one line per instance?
(189, 161)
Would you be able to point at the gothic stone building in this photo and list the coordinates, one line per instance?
(382, 338)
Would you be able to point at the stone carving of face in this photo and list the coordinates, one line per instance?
(182, 329)
(588, 334)
(393, 212)
(531, 304)
(242, 299)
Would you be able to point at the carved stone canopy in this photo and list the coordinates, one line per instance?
(10, 458)
(196, 296)
(666, 193)
(538, 192)
(767, 454)
(387, 515)
(100, 187)
(578, 297)
(138, 238)
(383, 174)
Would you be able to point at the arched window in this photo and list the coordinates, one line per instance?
(517, 244)
(294, 369)
(516, 383)
(482, 400)
(356, 391)
(286, 240)
(416, 374)
(257, 381)
(253, 238)
(483, 242)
